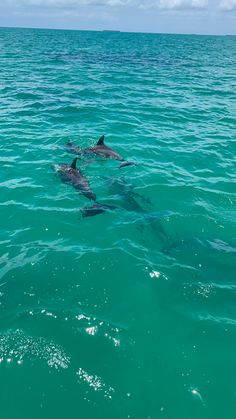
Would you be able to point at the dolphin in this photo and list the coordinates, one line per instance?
(122, 191)
(72, 175)
(99, 149)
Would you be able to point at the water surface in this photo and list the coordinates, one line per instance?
(129, 314)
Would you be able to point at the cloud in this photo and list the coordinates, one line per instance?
(68, 3)
(175, 4)
(140, 4)
(183, 4)
(63, 4)
(227, 5)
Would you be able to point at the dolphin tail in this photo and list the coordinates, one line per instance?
(96, 208)
(127, 163)
(72, 148)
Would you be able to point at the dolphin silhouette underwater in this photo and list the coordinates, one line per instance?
(70, 174)
(124, 196)
(120, 188)
(73, 148)
(100, 149)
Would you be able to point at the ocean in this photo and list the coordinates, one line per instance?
(130, 313)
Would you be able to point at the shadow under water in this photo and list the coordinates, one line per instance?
(124, 196)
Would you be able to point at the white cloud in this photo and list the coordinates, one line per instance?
(68, 3)
(141, 4)
(227, 5)
(174, 4)
(183, 4)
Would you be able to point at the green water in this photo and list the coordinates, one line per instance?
(131, 313)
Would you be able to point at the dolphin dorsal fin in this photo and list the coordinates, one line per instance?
(101, 140)
(73, 164)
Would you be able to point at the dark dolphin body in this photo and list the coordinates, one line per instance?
(70, 174)
(100, 149)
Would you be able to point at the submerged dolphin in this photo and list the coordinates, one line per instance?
(99, 149)
(72, 175)
(122, 191)
(73, 148)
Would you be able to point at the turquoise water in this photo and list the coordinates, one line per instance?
(132, 313)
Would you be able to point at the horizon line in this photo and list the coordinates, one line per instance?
(114, 31)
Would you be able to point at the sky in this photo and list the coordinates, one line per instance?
(217, 17)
